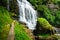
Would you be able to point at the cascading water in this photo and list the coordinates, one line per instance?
(57, 30)
(8, 4)
(27, 14)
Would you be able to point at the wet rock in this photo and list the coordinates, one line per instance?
(52, 6)
(46, 38)
(3, 3)
(43, 26)
(14, 6)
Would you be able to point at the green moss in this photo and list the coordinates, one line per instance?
(49, 15)
(20, 33)
(4, 17)
(4, 32)
(45, 24)
(5, 22)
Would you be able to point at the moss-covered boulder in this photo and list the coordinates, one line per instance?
(51, 37)
(43, 27)
(45, 24)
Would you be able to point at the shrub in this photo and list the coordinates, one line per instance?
(49, 15)
(4, 17)
(5, 22)
(20, 33)
(57, 18)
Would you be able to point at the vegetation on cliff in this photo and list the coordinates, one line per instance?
(20, 33)
(5, 22)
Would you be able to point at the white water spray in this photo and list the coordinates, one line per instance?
(27, 14)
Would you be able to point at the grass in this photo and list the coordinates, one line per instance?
(20, 33)
(4, 16)
(5, 22)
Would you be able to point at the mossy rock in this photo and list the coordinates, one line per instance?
(43, 27)
(51, 37)
(45, 24)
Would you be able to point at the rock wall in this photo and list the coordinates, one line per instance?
(3, 3)
(13, 6)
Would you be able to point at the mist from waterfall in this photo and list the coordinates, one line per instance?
(27, 14)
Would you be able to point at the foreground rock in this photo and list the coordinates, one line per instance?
(53, 37)
(43, 26)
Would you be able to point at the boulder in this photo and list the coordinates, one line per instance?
(43, 27)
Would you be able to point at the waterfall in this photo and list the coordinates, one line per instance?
(57, 30)
(8, 4)
(27, 14)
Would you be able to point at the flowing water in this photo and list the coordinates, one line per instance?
(57, 30)
(8, 4)
(27, 14)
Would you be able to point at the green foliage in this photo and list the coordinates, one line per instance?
(45, 12)
(57, 18)
(4, 17)
(38, 3)
(4, 32)
(48, 15)
(13, 15)
(20, 33)
(5, 22)
(45, 24)
(58, 3)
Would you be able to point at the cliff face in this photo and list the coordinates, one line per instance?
(3, 3)
(13, 6)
